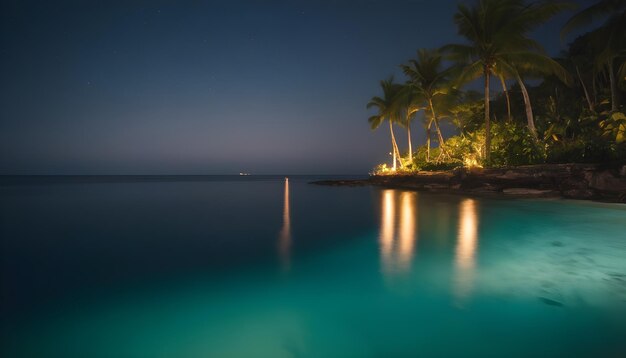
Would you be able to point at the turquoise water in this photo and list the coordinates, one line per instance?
(263, 267)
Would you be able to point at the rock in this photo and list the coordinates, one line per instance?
(579, 194)
(606, 181)
(528, 192)
(485, 189)
(436, 186)
(573, 183)
(512, 175)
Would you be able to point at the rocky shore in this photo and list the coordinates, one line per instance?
(602, 182)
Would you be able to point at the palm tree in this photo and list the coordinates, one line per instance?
(387, 112)
(533, 64)
(579, 56)
(428, 80)
(460, 110)
(506, 96)
(533, 61)
(427, 123)
(610, 38)
(407, 104)
(496, 31)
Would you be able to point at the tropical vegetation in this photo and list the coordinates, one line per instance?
(559, 109)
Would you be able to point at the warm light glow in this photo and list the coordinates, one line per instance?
(397, 252)
(468, 234)
(471, 162)
(467, 242)
(284, 240)
(407, 229)
(384, 170)
(387, 226)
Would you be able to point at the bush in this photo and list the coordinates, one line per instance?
(442, 166)
(591, 138)
(513, 144)
(582, 150)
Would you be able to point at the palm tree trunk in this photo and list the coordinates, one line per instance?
(393, 147)
(396, 152)
(508, 99)
(442, 145)
(594, 88)
(408, 131)
(584, 88)
(528, 106)
(487, 124)
(613, 85)
(398, 155)
(428, 141)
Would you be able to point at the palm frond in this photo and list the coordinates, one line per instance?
(534, 64)
(592, 13)
(375, 121)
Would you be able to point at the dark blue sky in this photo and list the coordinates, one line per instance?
(205, 87)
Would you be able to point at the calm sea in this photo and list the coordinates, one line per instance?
(261, 266)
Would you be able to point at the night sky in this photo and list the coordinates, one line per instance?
(204, 87)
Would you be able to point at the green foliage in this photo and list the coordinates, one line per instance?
(448, 165)
(513, 144)
(467, 115)
(589, 138)
(575, 108)
(614, 127)
(576, 150)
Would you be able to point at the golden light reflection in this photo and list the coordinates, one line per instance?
(387, 226)
(407, 229)
(284, 239)
(465, 254)
(397, 253)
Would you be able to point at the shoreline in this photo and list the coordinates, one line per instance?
(597, 182)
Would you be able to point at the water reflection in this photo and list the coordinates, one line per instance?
(387, 228)
(407, 229)
(465, 253)
(284, 239)
(399, 232)
(397, 252)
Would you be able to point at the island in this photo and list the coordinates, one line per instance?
(554, 125)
